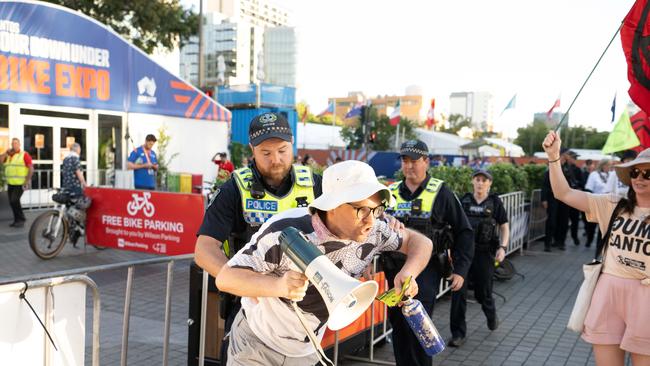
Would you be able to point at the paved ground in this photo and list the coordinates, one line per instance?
(533, 317)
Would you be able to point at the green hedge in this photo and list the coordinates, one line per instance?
(506, 177)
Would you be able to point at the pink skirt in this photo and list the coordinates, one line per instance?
(619, 314)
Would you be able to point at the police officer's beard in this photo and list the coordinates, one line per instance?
(277, 172)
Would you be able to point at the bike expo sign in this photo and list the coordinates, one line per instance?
(144, 221)
(55, 56)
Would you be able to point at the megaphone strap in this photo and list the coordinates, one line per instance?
(312, 337)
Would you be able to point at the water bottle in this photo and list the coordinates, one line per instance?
(423, 327)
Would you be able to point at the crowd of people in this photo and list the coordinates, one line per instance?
(419, 228)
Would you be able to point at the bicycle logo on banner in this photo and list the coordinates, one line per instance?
(141, 203)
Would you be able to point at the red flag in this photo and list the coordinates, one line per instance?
(635, 37)
(641, 125)
(431, 121)
(549, 114)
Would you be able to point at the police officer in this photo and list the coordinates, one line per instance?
(427, 205)
(489, 220)
(558, 213)
(269, 185)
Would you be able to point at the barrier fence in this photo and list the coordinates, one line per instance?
(516, 207)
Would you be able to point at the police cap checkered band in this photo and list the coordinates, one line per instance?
(414, 149)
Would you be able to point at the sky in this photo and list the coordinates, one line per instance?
(538, 50)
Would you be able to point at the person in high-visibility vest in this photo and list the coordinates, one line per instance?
(18, 172)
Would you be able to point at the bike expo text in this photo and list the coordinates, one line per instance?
(137, 223)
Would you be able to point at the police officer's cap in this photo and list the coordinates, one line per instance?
(414, 149)
(482, 172)
(269, 125)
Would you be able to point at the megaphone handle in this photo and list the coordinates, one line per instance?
(312, 337)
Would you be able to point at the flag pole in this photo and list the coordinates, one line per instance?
(559, 125)
(397, 138)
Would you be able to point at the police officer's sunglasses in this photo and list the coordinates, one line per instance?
(363, 211)
(635, 172)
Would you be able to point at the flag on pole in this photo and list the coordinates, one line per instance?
(395, 115)
(634, 38)
(328, 110)
(622, 136)
(641, 125)
(549, 114)
(511, 104)
(303, 118)
(431, 119)
(613, 109)
(355, 111)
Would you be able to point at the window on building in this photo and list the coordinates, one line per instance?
(4, 116)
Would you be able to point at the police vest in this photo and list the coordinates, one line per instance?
(419, 207)
(15, 169)
(258, 210)
(481, 217)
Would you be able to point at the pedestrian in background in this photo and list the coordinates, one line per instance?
(575, 178)
(597, 184)
(489, 221)
(72, 177)
(18, 172)
(614, 184)
(144, 164)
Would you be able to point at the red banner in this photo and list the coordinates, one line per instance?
(144, 221)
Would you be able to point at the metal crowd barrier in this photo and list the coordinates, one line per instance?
(80, 274)
(49, 308)
(537, 222)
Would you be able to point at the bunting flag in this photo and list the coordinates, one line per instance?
(431, 117)
(622, 136)
(355, 111)
(641, 125)
(328, 110)
(613, 109)
(635, 37)
(512, 104)
(395, 115)
(549, 114)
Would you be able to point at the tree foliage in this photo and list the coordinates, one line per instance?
(148, 24)
(580, 137)
(301, 107)
(380, 125)
(456, 122)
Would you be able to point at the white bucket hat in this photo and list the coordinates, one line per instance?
(349, 181)
(623, 170)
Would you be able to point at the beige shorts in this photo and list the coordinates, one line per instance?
(245, 349)
(619, 314)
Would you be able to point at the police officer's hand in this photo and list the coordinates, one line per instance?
(293, 285)
(551, 145)
(400, 278)
(457, 282)
(394, 223)
(501, 255)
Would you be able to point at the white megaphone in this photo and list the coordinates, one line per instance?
(346, 298)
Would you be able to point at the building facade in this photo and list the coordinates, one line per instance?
(477, 106)
(410, 105)
(235, 29)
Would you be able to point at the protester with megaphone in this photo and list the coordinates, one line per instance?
(346, 224)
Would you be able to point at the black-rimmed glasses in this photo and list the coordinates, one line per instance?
(364, 211)
(635, 172)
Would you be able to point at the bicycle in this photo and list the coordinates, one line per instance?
(51, 230)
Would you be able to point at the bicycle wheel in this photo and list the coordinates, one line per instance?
(43, 240)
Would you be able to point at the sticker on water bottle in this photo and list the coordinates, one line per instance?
(390, 298)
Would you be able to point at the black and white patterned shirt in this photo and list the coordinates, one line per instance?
(272, 319)
(69, 179)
